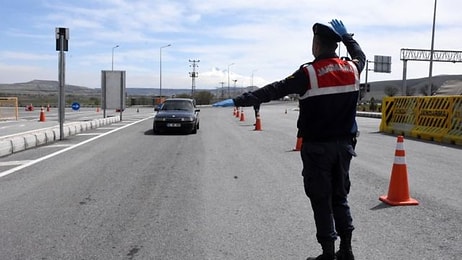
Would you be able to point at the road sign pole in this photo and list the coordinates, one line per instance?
(62, 37)
(62, 100)
(121, 95)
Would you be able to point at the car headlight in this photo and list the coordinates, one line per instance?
(159, 119)
(187, 119)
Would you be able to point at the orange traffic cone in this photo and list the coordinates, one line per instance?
(48, 108)
(298, 145)
(42, 115)
(97, 109)
(258, 123)
(398, 191)
(238, 114)
(242, 115)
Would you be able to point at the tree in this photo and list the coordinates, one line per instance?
(410, 91)
(391, 91)
(372, 105)
(203, 97)
(424, 90)
(94, 101)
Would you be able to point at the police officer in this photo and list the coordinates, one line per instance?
(329, 90)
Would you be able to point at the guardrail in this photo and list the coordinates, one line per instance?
(437, 118)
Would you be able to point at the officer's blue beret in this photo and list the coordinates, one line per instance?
(326, 32)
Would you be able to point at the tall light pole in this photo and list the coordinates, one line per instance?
(160, 70)
(229, 96)
(431, 54)
(222, 92)
(251, 82)
(117, 46)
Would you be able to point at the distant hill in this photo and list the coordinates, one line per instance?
(414, 86)
(377, 89)
(156, 91)
(450, 87)
(49, 87)
(44, 87)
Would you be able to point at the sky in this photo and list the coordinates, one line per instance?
(253, 42)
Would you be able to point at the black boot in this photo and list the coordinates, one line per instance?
(345, 252)
(328, 250)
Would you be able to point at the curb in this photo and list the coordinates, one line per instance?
(369, 114)
(24, 141)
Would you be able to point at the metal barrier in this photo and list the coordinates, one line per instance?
(9, 108)
(437, 118)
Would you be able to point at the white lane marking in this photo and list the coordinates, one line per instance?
(92, 133)
(56, 145)
(10, 126)
(32, 162)
(9, 163)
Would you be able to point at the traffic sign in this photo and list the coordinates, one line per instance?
(75, 106)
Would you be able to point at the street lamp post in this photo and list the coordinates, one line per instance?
(160, 69)
(429, 90)
(251, 82)
(229, 96)
(117, 46)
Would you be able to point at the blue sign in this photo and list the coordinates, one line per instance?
(75, 106)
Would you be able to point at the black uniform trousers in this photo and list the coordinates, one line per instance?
(327, 184)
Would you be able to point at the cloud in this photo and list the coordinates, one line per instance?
(26, 56)
(268, 37)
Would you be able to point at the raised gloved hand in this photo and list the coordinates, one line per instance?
(338, 27)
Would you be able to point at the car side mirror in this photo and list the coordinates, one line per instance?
(197, 110)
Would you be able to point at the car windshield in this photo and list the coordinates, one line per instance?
(178, 105)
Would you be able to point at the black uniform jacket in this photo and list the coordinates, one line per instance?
(321, 118)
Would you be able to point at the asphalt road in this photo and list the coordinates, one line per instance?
(227, 192)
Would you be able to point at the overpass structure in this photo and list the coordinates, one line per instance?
(426, 55)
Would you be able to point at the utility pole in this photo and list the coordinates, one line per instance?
(222, 91)
(229, 95)
(193, 76)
